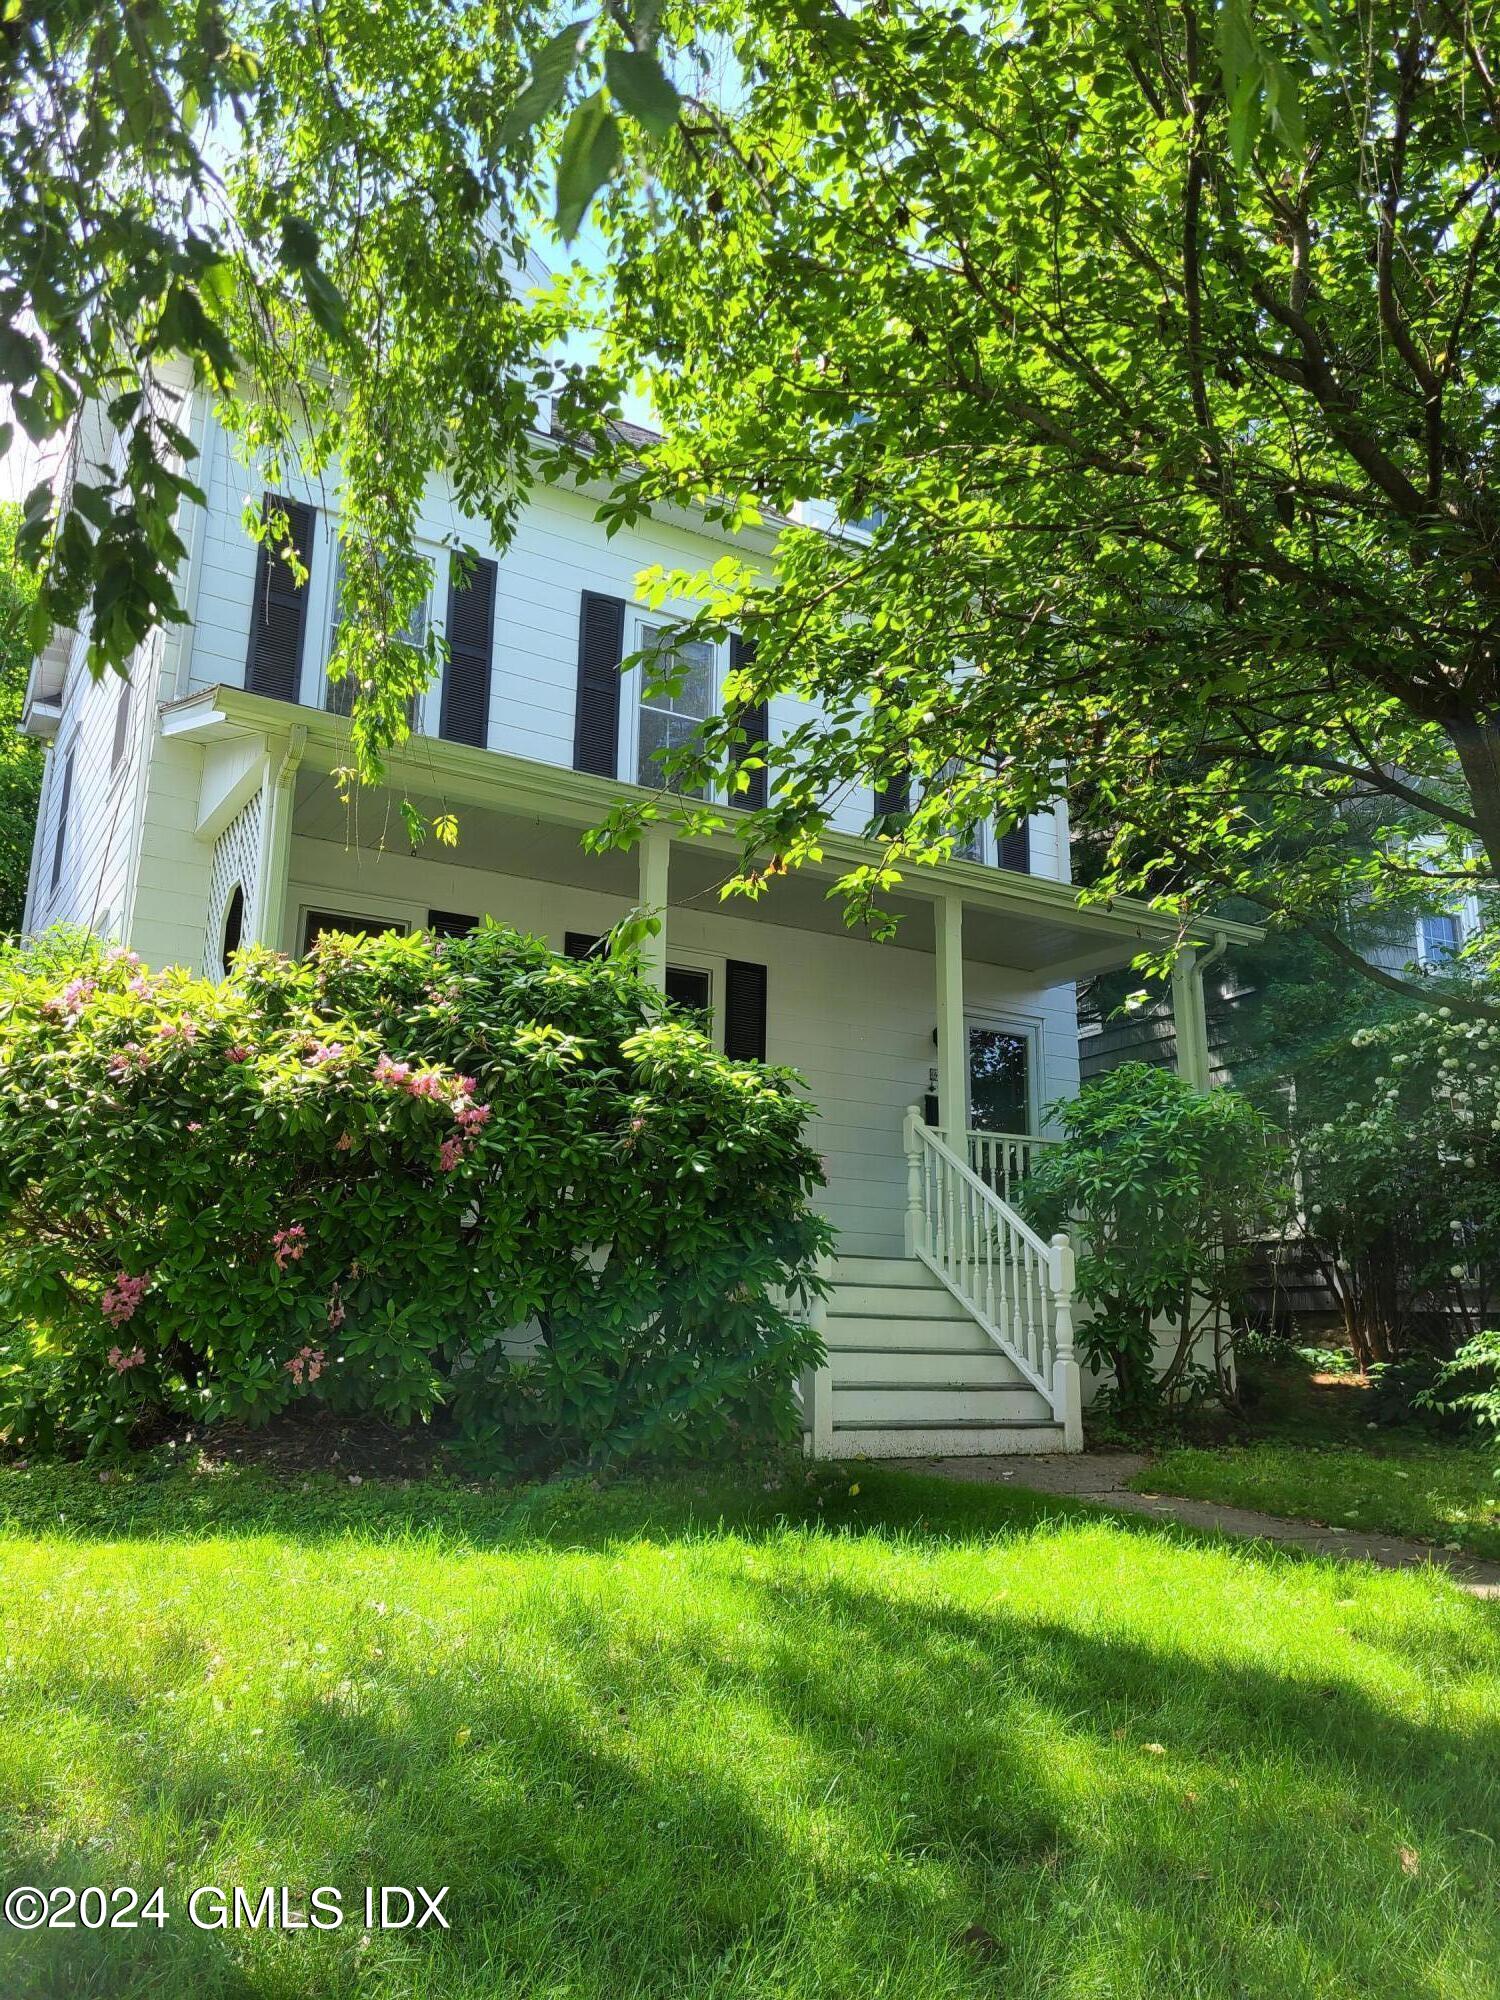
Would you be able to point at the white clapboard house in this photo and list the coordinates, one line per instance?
(196, 808)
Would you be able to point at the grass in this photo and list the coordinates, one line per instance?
(1436, 1491)
(847, 1735)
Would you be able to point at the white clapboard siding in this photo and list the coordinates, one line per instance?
(854, 1017)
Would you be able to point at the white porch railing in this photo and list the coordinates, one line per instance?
(1001, 1159)
(1017, 1286)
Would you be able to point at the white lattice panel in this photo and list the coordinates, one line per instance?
(236, 865)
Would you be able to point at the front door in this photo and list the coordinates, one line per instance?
(999, 1080)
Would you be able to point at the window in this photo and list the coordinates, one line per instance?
(1438, 939)
(338, 696)
(60, 839)
(122, 724)
(688, 986)
(450, 923)
(999, 1081)
(670, 720)
(234, 926)
(319, 923)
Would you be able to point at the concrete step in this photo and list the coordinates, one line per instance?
(854, 1365)
(896, 1403)
(922, 1440)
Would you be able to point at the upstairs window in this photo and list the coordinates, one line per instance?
(1438, 940)
(338, 696)
(670, 721)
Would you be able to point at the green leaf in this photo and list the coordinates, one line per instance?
(548, 80)
(590, 152)
(643, 89)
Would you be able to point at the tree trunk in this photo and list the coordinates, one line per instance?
(1476, 744)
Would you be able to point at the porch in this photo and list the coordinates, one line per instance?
(972, 1007)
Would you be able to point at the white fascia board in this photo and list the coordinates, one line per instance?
(495, 778)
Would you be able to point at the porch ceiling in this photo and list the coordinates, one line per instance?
(519, 817)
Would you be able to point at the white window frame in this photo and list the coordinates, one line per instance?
(633, 687)
(1458, 918)
(714, 964)
(1027, 1028)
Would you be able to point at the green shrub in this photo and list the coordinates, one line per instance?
(1468, 1387)
(342, 1180)
(1167, 1186)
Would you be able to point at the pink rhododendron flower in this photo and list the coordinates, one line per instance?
(236, 1052)
(288, 1245)
(427, 1083)
(388, 1071)
(467, 1085)
(123, 1296)
(324, 1052)
(178, 1031)
(141, 988)
(306, 1365)
(450, 1155)
(120, 1361)
(131, 1057)
(336, 1313)
(77, 993)
(343, 1143)
(472, 1117)
(119, 954)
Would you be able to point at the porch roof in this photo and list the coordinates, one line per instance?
(530, 815)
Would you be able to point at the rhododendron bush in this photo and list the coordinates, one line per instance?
(405, 1175)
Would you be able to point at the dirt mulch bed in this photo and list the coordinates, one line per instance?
(354, 1447)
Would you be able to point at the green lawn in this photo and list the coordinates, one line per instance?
(769, 1740)
(1439, 1492)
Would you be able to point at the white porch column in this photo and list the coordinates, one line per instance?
(952, 1039)
(269, 917)
(1190, 1018)
(656, 856)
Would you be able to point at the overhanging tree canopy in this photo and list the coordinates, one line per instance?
(1159, 345)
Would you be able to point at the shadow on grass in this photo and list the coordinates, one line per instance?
(814, 1786)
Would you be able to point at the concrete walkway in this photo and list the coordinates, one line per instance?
(1105, 1476)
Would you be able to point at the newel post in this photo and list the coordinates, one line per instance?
(1067, 1383)
(916, 1226)
(817, 1382)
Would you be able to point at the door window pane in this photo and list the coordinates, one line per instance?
(999, 1086)
(668, 721)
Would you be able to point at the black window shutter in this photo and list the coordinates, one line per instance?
(893, 796)
(122, 724)
(745, 1010)
(279, 614)
(1015, 848)
(596, 723)
(60, 840)
(471, 636)
(755, 721)
(578, 944)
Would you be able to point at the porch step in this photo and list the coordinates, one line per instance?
(858, 1365)
(860, 1301)
(908, 1272)
(960, 1440)
(934, 1333)
(914, 1374)
(908, 1405)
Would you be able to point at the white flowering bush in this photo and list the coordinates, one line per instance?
(339, 1181)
